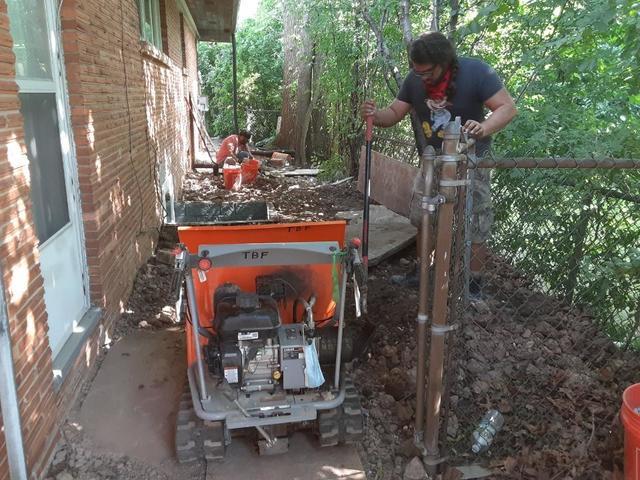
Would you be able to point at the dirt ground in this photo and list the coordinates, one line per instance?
(556, 379)
(293, 198)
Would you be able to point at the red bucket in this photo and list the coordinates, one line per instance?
(232, 175)
(250, 170)
(630, 417)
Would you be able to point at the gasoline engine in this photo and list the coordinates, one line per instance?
(254, 351)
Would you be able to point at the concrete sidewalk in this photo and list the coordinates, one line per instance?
(131, 408)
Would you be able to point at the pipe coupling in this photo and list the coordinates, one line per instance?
(430, 203)
(439, 330)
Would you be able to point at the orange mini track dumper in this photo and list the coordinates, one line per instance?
(264, 308)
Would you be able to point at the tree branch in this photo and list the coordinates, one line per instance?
(405, 20)
(534, 74)
(435, 18)
(383, 50)
(453, 19)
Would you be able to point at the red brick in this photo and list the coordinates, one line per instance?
(111, 131)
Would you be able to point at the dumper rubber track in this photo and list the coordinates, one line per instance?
(197, 439)
(213, 441)
(188, 432)
(343, 425)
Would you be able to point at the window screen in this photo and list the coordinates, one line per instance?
(150, 22)
(30, 39)
(42, 138)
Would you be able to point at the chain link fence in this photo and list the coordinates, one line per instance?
(574, 235)
(262, 124)
(400, 148)
(548, 325)
(546, 328)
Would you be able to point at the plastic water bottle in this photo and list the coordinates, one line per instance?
(489, 427)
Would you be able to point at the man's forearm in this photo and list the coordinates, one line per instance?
(385, 118)
(499, 119)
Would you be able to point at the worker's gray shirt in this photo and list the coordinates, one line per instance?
(475, 83)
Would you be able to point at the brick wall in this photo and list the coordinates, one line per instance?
(130, 126)
(22, 279)
(131, 131)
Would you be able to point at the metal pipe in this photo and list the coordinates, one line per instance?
(234, 56)
(458, 295)
(270, 441)
(296, 408)
(9, 396)
(468, 212)
(556, 163)
(343, 293)
(428, 162)
(365, 211)
(195, 328)
(440, 300)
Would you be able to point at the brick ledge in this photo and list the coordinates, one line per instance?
(65, 359)
(150, 51)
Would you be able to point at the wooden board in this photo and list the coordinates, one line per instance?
(388, 232)
(391, 181)
(302, 172)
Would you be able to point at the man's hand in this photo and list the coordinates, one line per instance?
(368, 109)
(476, 129)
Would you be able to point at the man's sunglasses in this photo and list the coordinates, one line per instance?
(424, 74)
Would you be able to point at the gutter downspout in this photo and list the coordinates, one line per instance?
(9, 396)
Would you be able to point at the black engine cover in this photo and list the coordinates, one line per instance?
(246, 316)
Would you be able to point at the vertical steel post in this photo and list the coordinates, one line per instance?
(195, 329)
(9, 396)
(440, 296)
(343, 301)
(234, 56)
(428, 164)
(365, 211)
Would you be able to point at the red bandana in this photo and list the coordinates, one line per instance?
(437, 91)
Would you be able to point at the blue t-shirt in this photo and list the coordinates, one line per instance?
(475, 83)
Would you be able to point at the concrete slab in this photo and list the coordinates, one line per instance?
(132, 404)
(391, 182)
(131, 407)
(388, 232)
(304, 461)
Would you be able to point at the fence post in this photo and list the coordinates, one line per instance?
(581, 230)
(449, 161)
(428, 205)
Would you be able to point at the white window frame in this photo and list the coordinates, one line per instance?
(154, 21)
(57, 85)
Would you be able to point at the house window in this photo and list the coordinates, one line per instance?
(182, 42)
(150, 22)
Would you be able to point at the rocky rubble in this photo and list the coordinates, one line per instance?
(554, 376)
(74, 462)
(151, 304)
(294, 198)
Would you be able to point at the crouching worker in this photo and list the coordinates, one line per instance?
(235, 148)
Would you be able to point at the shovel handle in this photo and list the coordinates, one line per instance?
(368, 136)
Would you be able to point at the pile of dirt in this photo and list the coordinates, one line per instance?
(294, 199)
(544, 365)
(151, 304)
(78, 459)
